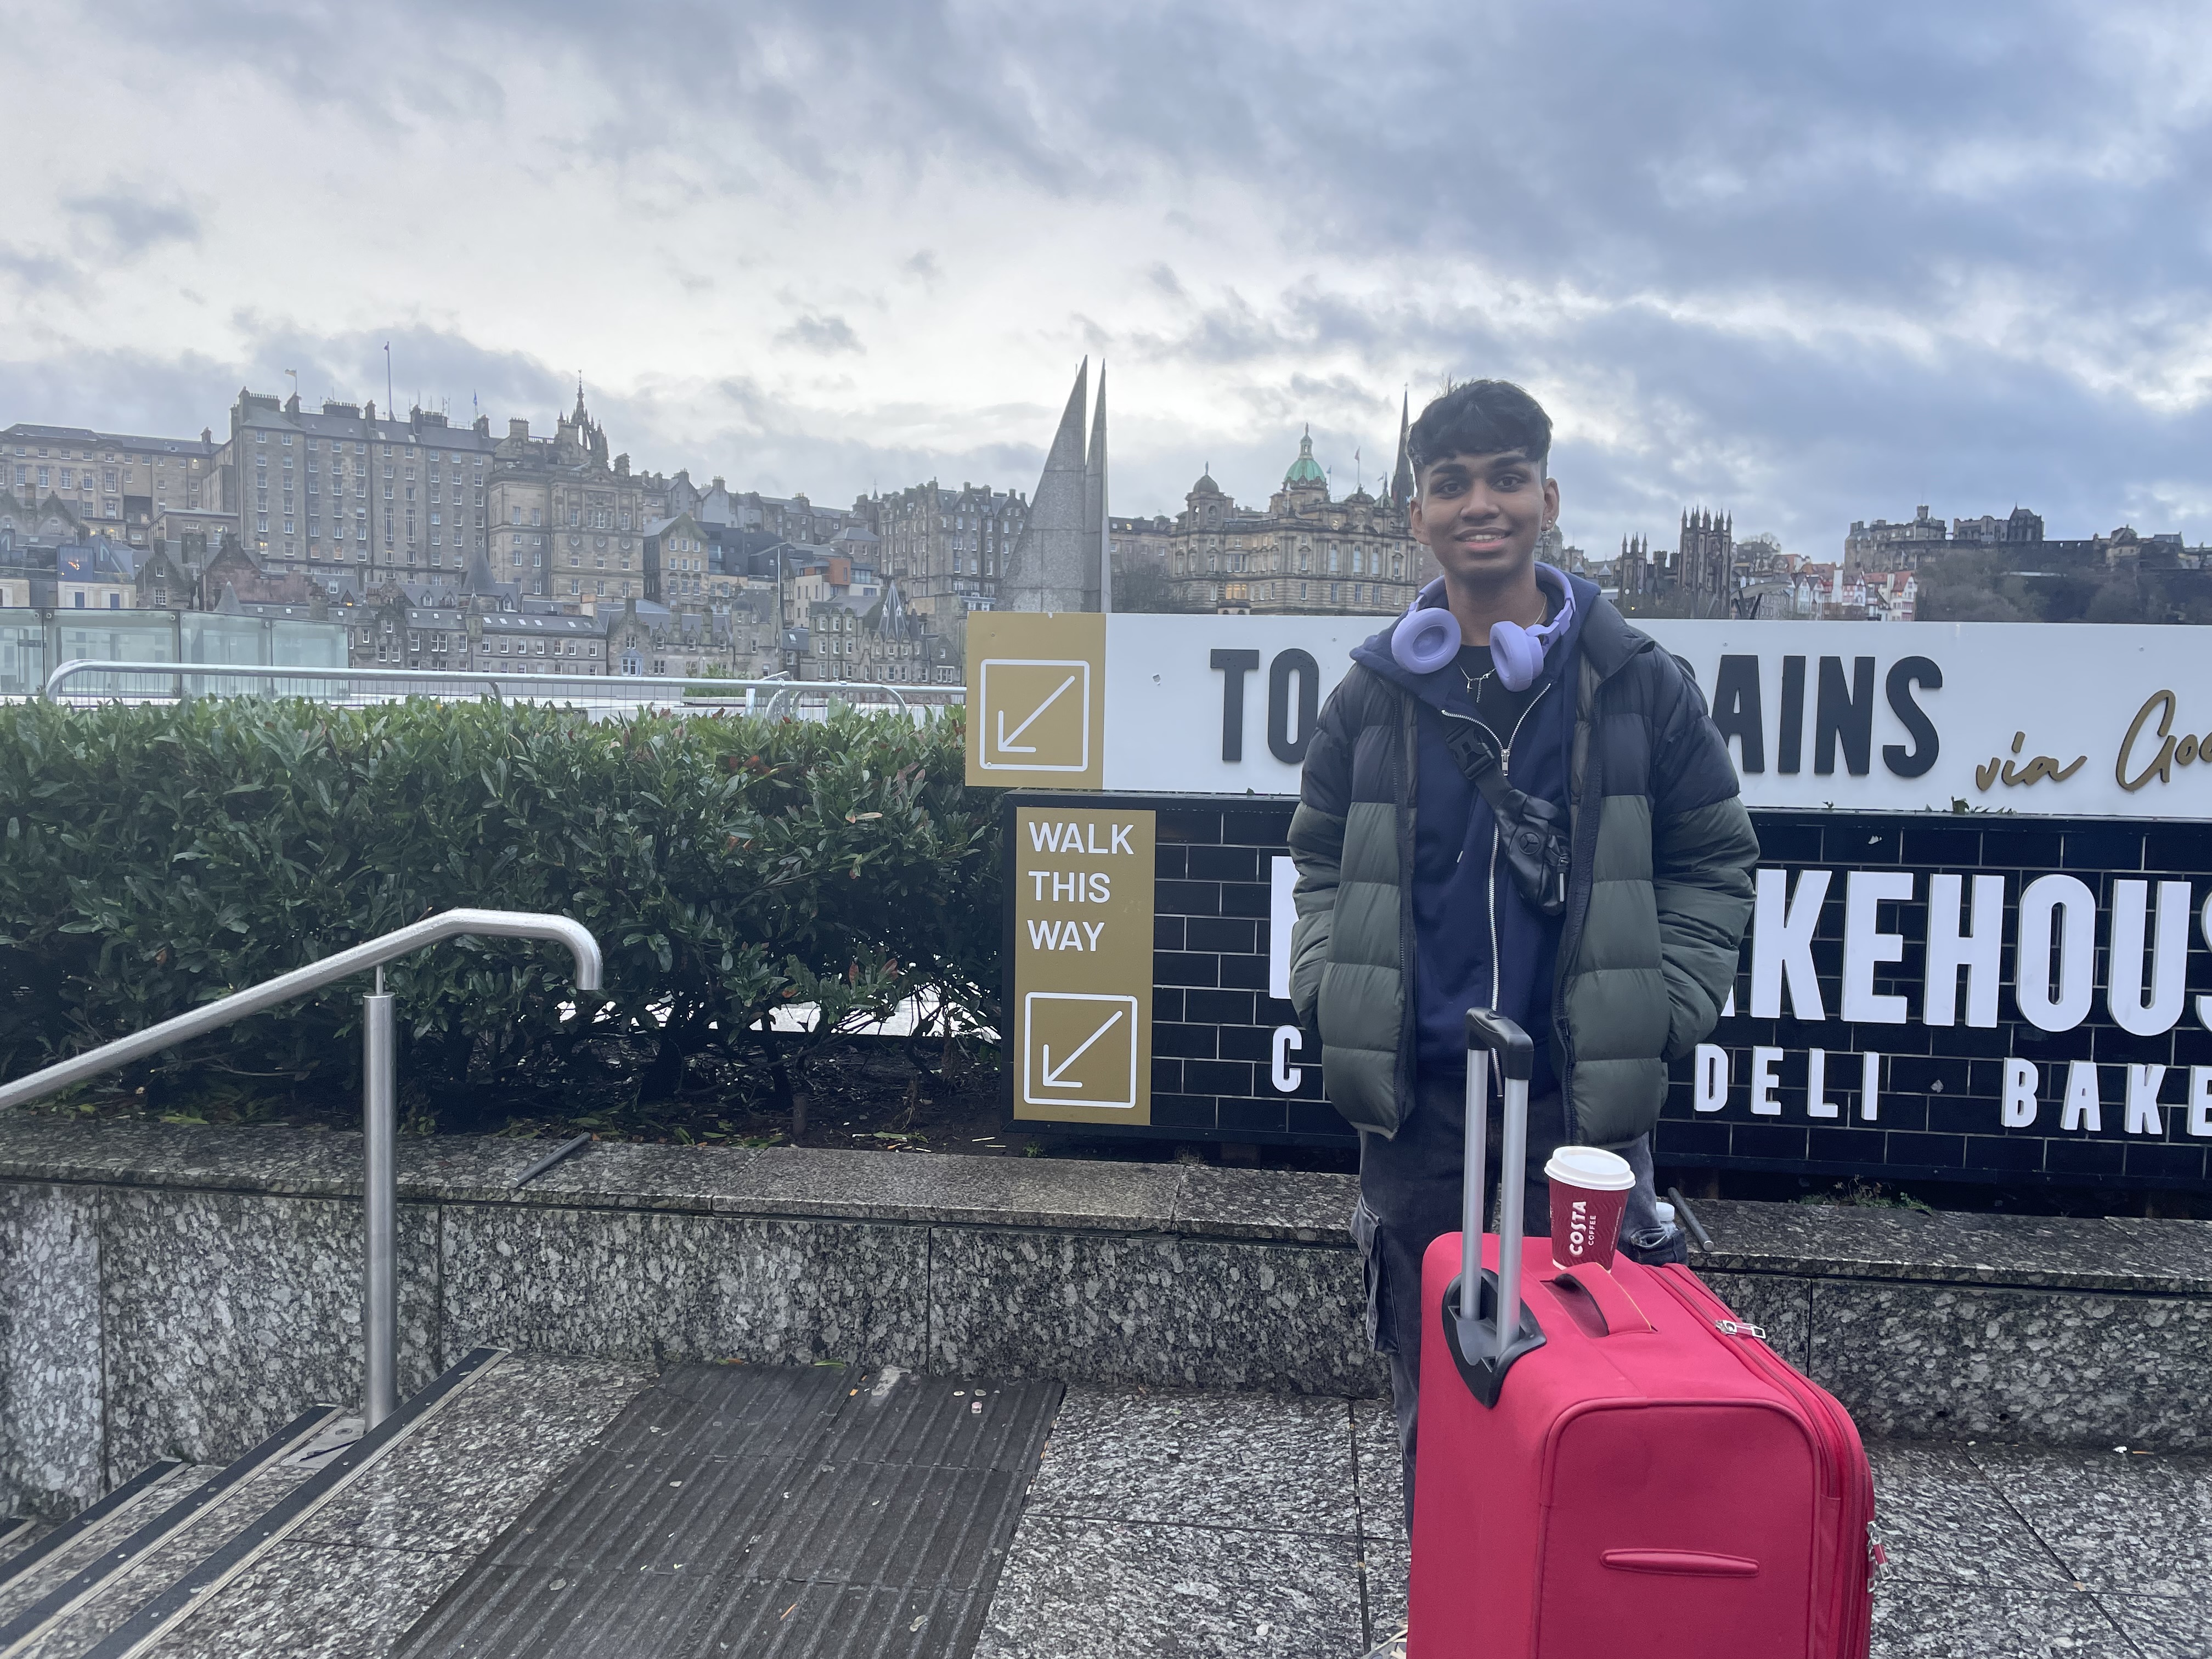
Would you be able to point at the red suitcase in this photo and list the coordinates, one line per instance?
(1638, 1470)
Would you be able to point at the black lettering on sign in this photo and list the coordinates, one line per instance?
(1280, 743)
(1793, 716)
(1234, 667)
(1904, 674)
(1844, 711)
(1736, 710)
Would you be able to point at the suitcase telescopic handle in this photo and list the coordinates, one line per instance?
(1489, 1034)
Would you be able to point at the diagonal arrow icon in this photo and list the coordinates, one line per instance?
(1053, 1073)
(1006, 738)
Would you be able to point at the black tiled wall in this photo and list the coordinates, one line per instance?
(1941, 1086)
(1213, 1018)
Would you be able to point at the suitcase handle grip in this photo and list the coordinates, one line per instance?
(1491, 1031)
(1616, 1309)
(1493, 1344)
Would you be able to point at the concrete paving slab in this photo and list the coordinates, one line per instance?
(2165, 1626)
(1930, 1621)
(1386, 1566)
(1112, 1589)
(1382, 1470)
(2123, 1523)
(1258, 1462)
(1943, 1522)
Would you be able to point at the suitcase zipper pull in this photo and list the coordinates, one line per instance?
(1739, 1328)
(1877, 1557)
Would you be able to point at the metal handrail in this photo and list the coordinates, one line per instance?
(689, 685)
(380, 1113)
(370, 953)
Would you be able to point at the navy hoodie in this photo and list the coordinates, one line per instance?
(1476, 942)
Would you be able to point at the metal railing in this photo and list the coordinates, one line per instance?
(635, 688)
(379, 1111)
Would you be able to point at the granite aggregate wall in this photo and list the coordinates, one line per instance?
(179, 1292)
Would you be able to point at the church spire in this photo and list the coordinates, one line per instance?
(1401, 476)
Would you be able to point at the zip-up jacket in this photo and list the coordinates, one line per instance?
(1659, 887)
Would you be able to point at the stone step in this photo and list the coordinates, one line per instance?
(51, 1556)
(354, 1575)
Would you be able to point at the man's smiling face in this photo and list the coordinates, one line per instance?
(1482, 514)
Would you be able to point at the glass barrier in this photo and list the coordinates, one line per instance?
(23, 653)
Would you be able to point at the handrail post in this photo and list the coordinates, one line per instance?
(380, 1290)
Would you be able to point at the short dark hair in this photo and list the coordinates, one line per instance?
(1482, 418)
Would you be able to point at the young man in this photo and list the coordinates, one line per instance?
(1410, 912)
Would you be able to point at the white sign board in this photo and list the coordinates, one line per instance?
(2075, 721)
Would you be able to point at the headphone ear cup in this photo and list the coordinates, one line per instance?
(1517, 655)
(1425, 640)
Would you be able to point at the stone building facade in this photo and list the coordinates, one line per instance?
(340, 490)
(1704, 562)
(946, 548)
(118, 481)
(1304, 553)
(566, 520)
(884, 642)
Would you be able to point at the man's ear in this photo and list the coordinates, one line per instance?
(1551, 500)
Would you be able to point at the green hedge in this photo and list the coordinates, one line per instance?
(153, 858)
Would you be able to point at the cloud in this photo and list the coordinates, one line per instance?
(825, 335)
(1806, 265)
(43, 273)
(127, 224)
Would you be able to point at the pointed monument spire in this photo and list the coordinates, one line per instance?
(1048, 565)
(1099, 589)
(1401, 476)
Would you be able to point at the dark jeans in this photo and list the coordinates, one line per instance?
(1409, 1196)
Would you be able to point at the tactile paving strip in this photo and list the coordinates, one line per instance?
(774, 1512)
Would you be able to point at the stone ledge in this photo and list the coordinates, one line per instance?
(1059, 1194)
(2116, 1254)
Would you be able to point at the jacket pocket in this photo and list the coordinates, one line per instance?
(1366, 1233)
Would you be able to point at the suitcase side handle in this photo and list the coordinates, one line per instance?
(1485, 1346)
(1617, 1310)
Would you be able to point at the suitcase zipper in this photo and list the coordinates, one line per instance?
(1853, 1611)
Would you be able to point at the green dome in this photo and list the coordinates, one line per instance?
(1306, 470)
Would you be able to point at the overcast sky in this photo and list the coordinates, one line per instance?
(1807, 263)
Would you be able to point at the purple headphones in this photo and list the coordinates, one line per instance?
(1427, 635)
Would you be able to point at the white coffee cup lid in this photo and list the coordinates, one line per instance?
(1590, 1167)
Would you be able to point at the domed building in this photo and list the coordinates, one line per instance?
(1303, 554)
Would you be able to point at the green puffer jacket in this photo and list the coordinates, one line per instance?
(1659, 890)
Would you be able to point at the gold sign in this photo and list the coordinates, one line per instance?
(1083, 964)
(1036, 699)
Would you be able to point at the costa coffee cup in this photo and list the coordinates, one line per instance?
(1589, 1195)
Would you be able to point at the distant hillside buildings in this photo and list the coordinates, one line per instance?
(441, 544)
